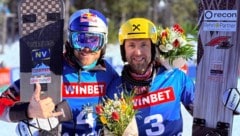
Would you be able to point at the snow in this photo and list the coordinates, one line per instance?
(10, 59)
(10, 56)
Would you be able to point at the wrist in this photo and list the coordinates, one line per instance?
(19, 111)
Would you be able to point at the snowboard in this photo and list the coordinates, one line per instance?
(41, 26)
(217, 66)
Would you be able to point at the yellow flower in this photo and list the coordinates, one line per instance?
(167, 30)
(103, 119)
(116, 113)
(164, 40)
(123, 107)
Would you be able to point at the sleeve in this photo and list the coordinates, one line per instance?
(187, 96)
(11, 109)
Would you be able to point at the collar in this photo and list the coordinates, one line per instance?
(135, 81)
(144, 76)
(100, 64)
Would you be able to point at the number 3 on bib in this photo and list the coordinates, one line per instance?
(156, 122)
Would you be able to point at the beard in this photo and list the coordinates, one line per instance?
(139, 68)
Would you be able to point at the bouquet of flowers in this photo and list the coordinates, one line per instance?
(173, 43)
(117, 114)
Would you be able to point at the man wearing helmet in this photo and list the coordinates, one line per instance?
(158, 90)
(86, 76)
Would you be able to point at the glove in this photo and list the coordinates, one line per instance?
(66, 111)
(45, 127)
(231, 99)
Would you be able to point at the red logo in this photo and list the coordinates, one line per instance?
(83, 89)
(154, 98)
(88, 17)
(222, 42)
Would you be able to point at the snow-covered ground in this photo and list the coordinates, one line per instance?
(10, 59)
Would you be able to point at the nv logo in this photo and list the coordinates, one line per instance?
(135, 27)
(41, 54)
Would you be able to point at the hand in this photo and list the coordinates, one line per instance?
(42, 124)
(41, 108)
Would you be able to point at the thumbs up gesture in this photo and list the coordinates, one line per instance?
(41, 108)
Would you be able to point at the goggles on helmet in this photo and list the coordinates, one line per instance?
(93, 41)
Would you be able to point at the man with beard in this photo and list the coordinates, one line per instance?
(86, 77)
(158, 91)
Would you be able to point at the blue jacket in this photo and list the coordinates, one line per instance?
(81, 89)
(159, 110)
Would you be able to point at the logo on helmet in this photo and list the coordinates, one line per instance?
(136, 27)
(88, 17)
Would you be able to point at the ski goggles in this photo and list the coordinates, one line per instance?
(93, 41)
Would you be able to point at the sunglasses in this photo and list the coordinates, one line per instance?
(93, 41)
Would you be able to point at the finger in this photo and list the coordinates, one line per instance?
(56, 114)
(37, 92)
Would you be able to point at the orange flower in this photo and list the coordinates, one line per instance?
(164, 34)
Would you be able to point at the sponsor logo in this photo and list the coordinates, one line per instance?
(230, 15)
(40, 54)
(40, 44)
(42, 79)
(216, 72)
(154, 98)
(41, 69)
(221, 42)
(220, 20)
(83, 89)
(220, 26)
(88, 17)
(216, 68)
(234, 101)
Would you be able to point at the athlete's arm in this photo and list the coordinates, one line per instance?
(187, 96)
(10, 107)
(12, 110)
